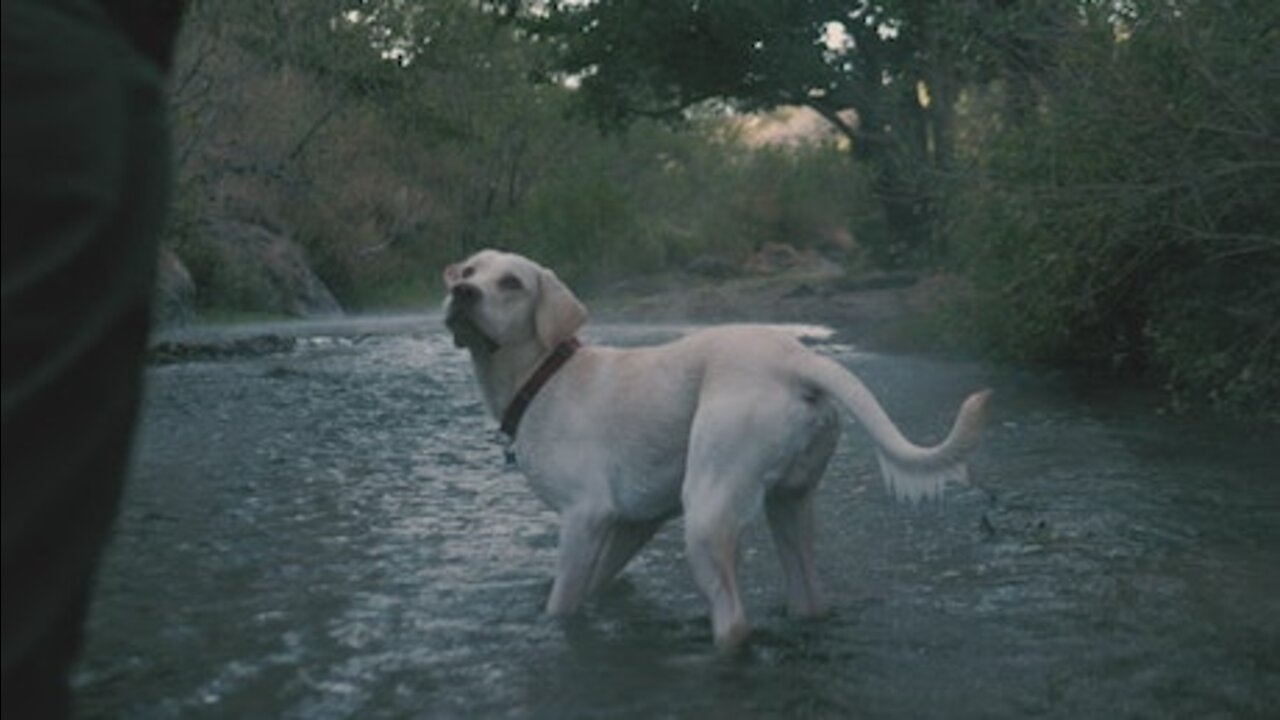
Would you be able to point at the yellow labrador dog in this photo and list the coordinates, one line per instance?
(716, 425)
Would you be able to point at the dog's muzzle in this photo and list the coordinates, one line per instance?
(463, 299)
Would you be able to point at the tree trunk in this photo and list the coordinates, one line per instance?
(876, 144)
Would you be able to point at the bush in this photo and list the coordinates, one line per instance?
(656, 199)
(1130, 225)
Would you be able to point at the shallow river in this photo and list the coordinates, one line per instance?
(332, 532)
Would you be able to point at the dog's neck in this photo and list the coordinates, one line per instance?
(502, 372)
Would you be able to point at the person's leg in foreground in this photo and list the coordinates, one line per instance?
(85, 182)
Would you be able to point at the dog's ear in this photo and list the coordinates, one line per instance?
(559, 314)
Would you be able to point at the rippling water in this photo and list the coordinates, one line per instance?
(332, 532)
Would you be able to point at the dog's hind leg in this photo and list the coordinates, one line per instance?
(722, 492)
(711, 544)
(791, 520)
(749, 435)
(789, 508)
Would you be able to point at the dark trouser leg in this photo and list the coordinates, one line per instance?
(85, 184)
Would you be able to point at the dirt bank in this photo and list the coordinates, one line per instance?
(898, 312)
(885, 311)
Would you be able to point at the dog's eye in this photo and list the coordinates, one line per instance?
(468, 272)
(510, 282)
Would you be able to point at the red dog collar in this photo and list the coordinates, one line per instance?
(549, 367)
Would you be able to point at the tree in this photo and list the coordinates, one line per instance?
(859, 65)
(388, 137)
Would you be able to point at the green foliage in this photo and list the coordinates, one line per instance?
(856, 64)
(1105, 174)
(584, 223)
(390, 141)
(807, 197)
(1130, 224)
(655, 199)
(655, 60)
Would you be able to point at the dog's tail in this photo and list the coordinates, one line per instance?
(910, 471)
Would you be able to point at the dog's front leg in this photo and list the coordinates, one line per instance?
(582, 535)
(593, 549)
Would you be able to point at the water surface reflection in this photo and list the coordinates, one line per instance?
(332, 532)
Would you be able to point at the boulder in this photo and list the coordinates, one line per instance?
(168, 352)
(253, 268)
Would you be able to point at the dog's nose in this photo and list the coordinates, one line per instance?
(465, 293)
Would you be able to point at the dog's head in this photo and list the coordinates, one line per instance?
(498, 299)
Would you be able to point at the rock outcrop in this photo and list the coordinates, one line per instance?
(259, 269)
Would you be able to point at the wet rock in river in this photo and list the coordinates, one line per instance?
(168, 352)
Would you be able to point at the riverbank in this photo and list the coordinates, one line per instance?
(889, 312)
